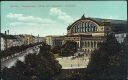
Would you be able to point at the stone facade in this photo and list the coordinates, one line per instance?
(88, 33)
(54, 40)
(2, 44)
(7, 41)
(28, 39)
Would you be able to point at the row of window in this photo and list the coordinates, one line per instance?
(90, 44)
(84, 27)
(88, 50)
(57, 43)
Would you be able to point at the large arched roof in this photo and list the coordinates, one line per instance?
(83, 19)
(114, 23)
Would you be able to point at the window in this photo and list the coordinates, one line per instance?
(78, 29)
(85, 26)
(82, 26)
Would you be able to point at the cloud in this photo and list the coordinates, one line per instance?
(61, 15)
(11, 15)
(30, 24)
(32, 19)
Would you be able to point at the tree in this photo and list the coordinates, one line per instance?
(56, 49)
(106, 61)
(69, 48)
(42, 66)
(17, 72)
(45, 51)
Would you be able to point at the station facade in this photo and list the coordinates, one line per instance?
(88, 32)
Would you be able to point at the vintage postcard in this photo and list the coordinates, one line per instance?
(64, 40)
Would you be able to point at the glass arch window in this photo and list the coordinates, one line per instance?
(76, 28)
(84, 26)
(80, 26)
(89, 26)
(92, 27)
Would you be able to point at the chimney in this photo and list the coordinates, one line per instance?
(8, 32)
(5, 41)
(5, 33)
(38, 38)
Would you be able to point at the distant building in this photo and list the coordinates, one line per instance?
(20, 40)
(25, 39)
(120, 37)
(28, 39)
(7, 41)
(58, 41)
(54, 40)
(3, 45)
(39, 39)
(49, 40)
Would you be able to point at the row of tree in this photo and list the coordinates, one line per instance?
(41, 66)
(108, 62)
(16, 49)
(67, 49)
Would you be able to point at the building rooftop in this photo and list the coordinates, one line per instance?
(7, 36)
(116, 24)
(55, 36)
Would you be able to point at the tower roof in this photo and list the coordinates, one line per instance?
(83, 17)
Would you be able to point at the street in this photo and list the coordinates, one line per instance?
(11, 62)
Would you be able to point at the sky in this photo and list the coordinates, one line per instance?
(53, 17)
